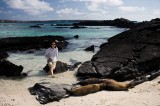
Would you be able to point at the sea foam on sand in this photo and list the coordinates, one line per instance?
(14, 92)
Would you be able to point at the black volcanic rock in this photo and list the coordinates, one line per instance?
(76, 26)
(62, 67)
(46, 92)
(90, 48)
(35, 26)
(119, 22)
(76, 36)
(9, 69)
(127, 55)
(61, 27)
(3, 55)
(27, 43)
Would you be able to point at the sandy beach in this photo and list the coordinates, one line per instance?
(14, 92)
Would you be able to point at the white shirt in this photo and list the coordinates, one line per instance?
(52, 53)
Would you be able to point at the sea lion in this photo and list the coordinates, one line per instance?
(84, 90)
(90, 81)
(101, 84)
(112, 84)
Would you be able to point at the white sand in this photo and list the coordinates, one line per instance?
(15, 92)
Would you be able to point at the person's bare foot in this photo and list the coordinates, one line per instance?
(52, 76)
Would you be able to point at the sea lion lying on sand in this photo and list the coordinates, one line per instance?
(102, 84)
(115, 85)
(111, 84)
(90, 81)
(84, 90)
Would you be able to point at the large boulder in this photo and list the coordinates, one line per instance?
(27, 43)
(90, 48)
(46, 92)
(62, 67)
(9, 69)
(127, 55)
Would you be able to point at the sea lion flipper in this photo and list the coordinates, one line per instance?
(67, 91)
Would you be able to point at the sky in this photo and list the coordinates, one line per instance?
(135, 10)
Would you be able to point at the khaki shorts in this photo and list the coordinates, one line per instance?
(52, 64)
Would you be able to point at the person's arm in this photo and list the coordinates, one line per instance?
(57, 52)
(46, 53)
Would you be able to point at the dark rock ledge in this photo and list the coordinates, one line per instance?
(27, 43)
(9, 69)
(127, 55)
(119, 22)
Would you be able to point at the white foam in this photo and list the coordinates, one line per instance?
(36, 61)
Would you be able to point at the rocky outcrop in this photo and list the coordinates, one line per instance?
(61, 27)
(148, 77)
(3, 55)
(35, 26)
(76, 26)
(46, 92)
(62, 67)
(26, 43)
(90, 48)
(119, 22)
(9, 69)
(76, 36)
(127, 55)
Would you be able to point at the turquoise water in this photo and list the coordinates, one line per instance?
(23, 29)
(92, 35)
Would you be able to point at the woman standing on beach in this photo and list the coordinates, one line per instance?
(51, 55)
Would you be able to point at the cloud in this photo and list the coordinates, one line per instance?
(98, 7)
(95, 16)
(157, 12)
(32, 7)
(68, 11)
(106, 2)
(94, 5)
(131, 8)
(71, 13)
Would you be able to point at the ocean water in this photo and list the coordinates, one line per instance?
(23, 29)
(92, 35)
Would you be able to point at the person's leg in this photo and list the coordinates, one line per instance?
(51, 68)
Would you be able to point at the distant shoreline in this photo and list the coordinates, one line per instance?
(118, 22)
(28, 21)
